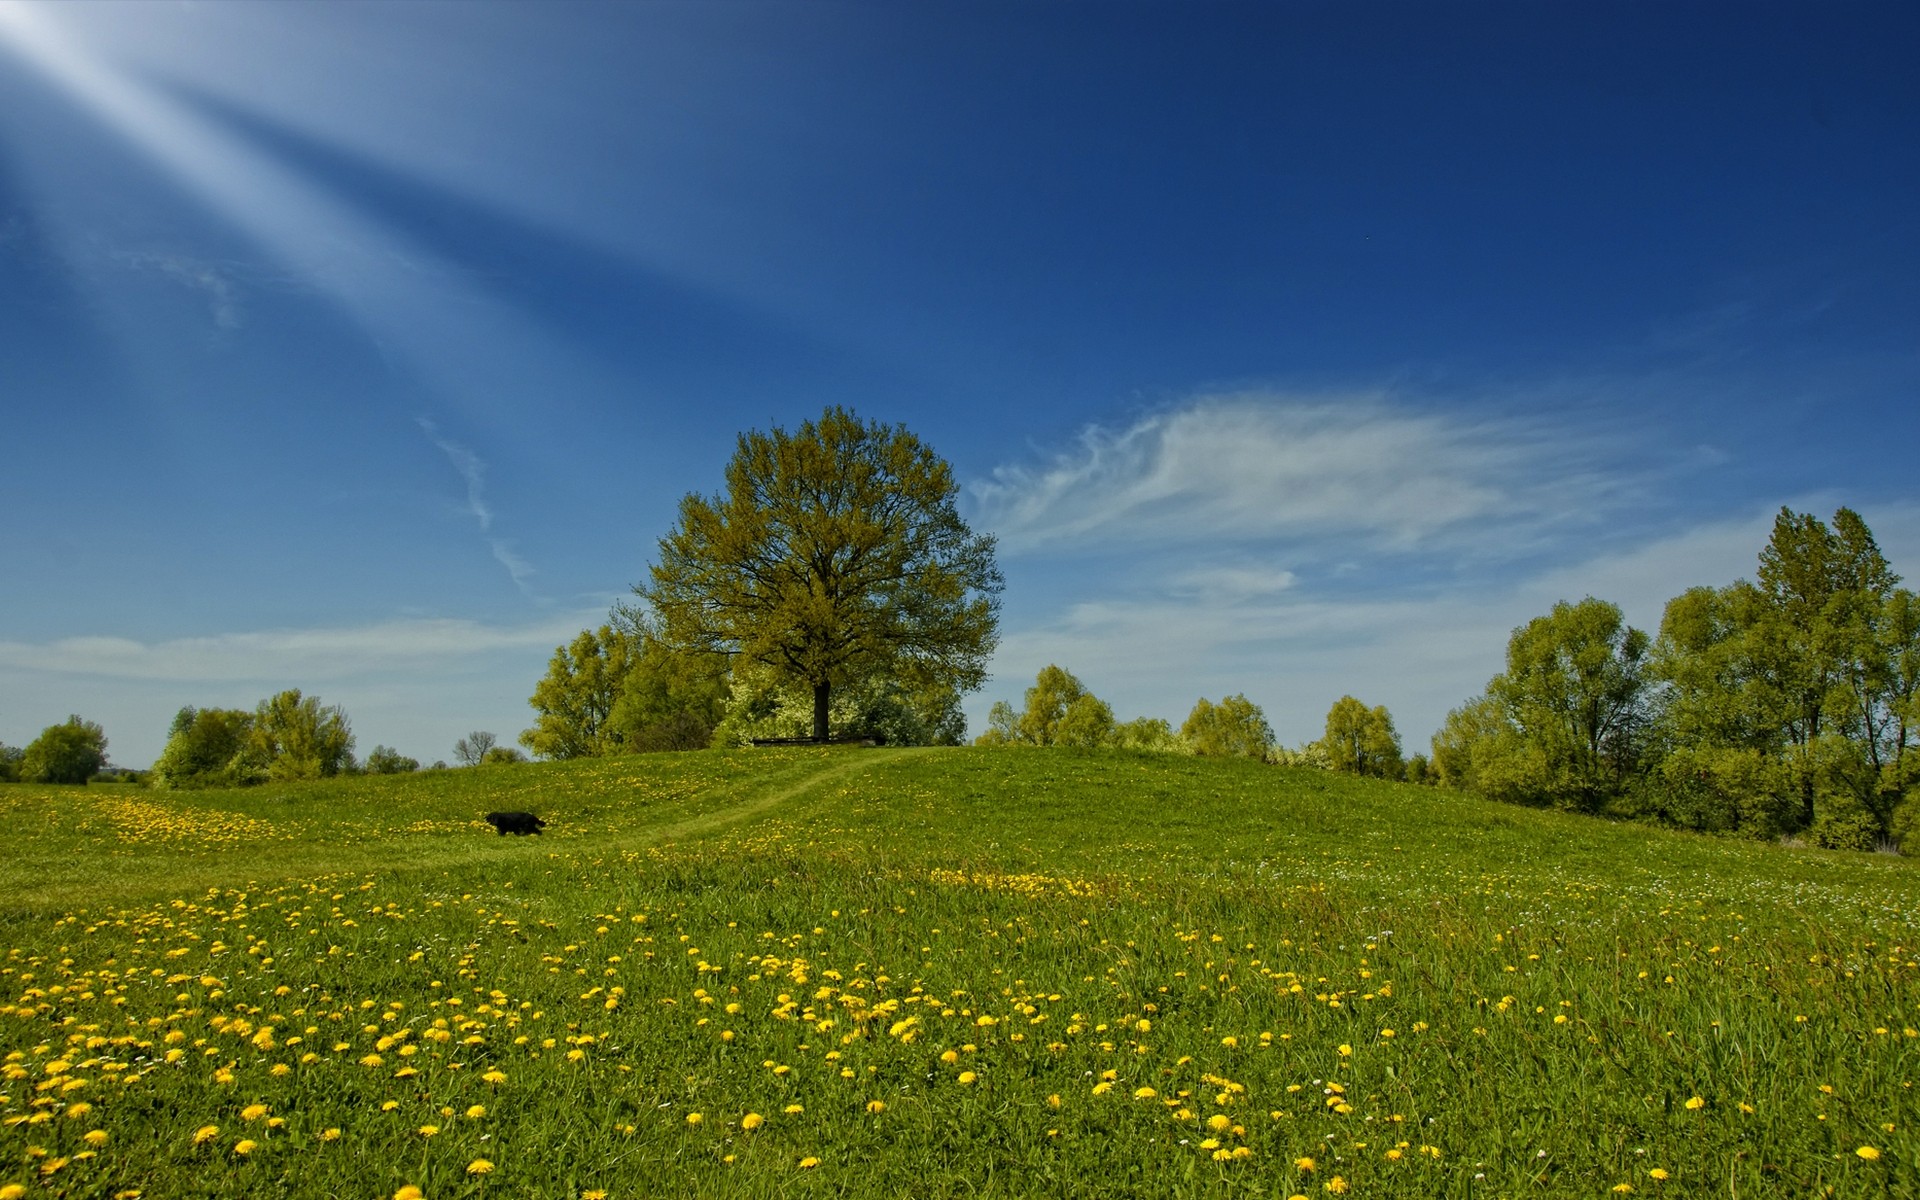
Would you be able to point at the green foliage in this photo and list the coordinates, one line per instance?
(577, 698)
(10, 757)
(1233, 728)
(1058, 711)
(296, 737)
(1362, 740)
(498, 755)
(1147, 733)
(1575, 687)
(1420, 771)
(385, 760)
(760, 704)
(71, 752)
(836, 555)
(204, 748)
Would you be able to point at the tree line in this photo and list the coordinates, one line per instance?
(1784, 706)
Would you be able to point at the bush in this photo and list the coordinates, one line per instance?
(10, 757)
(385, 760)
(72, 752)
(502, 754)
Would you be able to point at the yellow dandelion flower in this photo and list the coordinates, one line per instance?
(479, 1166)
(253, 1112)
(76, 1111)
(1337, 1185)
(1868, 1153)
(1659, 1173)
(409, 1192)
(967, 1077)
(1145, 1093)
(494, 1077)
(794, 1110)
(1220, 1123)
(429, 1130)
(950, 1056)
(205, 1134)
(1230, 1042)
(1696, 1102)
(876, 1106)
(1303, 1164)
(1346, 1051)
(752, 1121)
(809, 1163)
(695, 1118)
(1054, 1101)
(1623, 1188)
(389, 1105)
(331, 1134)
(95, 1137)
(13, 1191)
(476, 1112)
(245, 1146)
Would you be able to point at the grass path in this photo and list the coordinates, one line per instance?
(711, 821)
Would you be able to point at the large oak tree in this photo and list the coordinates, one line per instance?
(835, 554)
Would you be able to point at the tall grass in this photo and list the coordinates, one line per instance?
(937, 973)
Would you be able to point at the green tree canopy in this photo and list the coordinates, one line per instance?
(10, 757)
(835, 555)
(576, 699)
(297, 737)
(1058, 711)
(1233, 728)
(1362, 740)
(70, 752)
(204, 749)
(1575, 688)
(385, 760)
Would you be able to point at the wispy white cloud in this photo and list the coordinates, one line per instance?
(474, 471)
(221, 292)
(282, 655)
(1263, 465)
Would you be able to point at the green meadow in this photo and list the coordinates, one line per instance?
(927, 973)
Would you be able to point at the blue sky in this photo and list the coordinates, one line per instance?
(1289, 349)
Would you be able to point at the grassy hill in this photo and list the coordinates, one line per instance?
(937, 973)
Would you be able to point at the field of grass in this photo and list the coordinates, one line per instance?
(936, 973)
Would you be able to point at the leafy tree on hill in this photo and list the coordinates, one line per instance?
(1233, 728)
(760, 705)
(1147, 733)
(501, 754)
(1058, 711)
(297, 737)
(1362, 740)
(385, 760)
(470, 749)
(835, 555)
(10, 757)
(576, 699)
(71, 752)
(204, 748)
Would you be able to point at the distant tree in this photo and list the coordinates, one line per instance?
(501, 754)
(1361, 740)
(1419, 770)
(71, 752)
(1059, 711)
(204, 748)
(385, 760)
(10, 757)
(470, 749)
(1147, 733)
(835, 555)
(297, 737)
(1003, 726)
(1575, 688)
(1233, 728)
(575, 701)
(1480, 749)
(669, 699)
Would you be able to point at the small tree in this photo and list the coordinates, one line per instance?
(10, 757)
(501, 754)
(1361, 740)
(835, 555)
(1146, 733)
(1233, 728)
(471, 749)
(576, 699)
(385, 760)
(71, 752)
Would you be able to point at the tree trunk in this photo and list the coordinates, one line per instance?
(820, 694)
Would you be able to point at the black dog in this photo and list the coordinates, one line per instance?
(515, 822)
